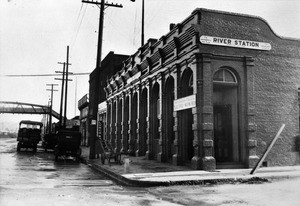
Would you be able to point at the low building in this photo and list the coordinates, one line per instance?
(83, 106)
(211, 93)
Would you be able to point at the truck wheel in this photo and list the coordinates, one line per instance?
(79, 151)
(34, 149)
(18, 147)
(56, 153)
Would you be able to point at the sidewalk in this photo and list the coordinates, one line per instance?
(148, 173)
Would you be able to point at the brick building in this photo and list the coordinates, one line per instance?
(110, 66)
(211, 93)
(83, 106)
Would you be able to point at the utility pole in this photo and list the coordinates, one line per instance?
(51, 103)
(143, 24)
(93, 125)
(63, 101)
(66, 93)
(62, 92)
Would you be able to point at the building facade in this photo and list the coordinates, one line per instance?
(110, 65)
(211, 93)
(83, 106)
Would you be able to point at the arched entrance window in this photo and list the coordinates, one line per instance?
(225, 76)
(226, 121)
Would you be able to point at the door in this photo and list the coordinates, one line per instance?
(223, 133)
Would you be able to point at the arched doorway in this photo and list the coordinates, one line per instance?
(186, 115)
(155, 101)
(125, 126)
(113, 123)
(119, 129)
(169, 121)
(143, 122)
(133, 126)
(226, 121)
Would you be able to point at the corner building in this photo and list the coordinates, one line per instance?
(211, 93)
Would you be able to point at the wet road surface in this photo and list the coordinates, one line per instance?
(28, 178)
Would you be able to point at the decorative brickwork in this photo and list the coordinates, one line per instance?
(240, 95)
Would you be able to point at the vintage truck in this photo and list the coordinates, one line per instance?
(29, 134)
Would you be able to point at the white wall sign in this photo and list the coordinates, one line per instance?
(102, 107)
(185, 103)
(247, 44)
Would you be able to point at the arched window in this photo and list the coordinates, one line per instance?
(187, 83)
(224, 76)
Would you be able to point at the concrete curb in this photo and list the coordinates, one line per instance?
(265, 177)
(120, 179)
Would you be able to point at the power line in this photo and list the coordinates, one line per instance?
(42, 75)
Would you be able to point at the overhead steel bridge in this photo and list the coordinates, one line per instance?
(26, 108)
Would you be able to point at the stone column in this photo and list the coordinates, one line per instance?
(177, 158)
(108, 117)
(132, 124)
(118, 125)
(162, 120)
(250, 118)
(124, 125)
(149, 152)
(129, 123)
(113, 122)
(204, 113)
(197, 115)
(138, 121)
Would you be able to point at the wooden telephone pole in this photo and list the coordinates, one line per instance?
(94, 106)
(63, 101)
(51, 103)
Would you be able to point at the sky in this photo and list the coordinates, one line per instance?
(34, 35)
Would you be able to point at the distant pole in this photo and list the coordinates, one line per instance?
(66, 93)
(46, 130)
(62, 102)
(51, 103)
(75, 96)
(62, 95)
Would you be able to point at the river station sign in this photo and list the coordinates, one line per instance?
(247, 44)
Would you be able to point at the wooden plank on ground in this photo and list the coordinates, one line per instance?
(267, 151)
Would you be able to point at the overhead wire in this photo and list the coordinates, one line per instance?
(78, 28)
(42, 75)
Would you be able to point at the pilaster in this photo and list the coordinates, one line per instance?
(250, 112)
(149, 152)
(162, 154)
(177, 158)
